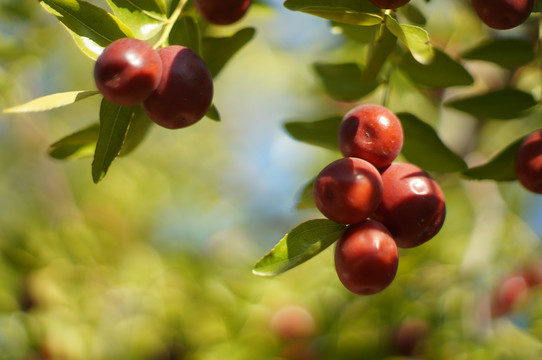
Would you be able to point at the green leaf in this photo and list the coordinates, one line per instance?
(186, 32)
(91, 27)
(500, 104)
(344, 82)
(415, 38)
(305, 198)
(217, 51)
(114, 122)
(144, 17)
(422, 146)
(138, 129)
(362, 34)
(344, 11)
(213, 113)
(413, 14)
(299, 245)
(77, 145)
(505, 52)
(501, 167)
(320, 133)
(442, 72)
(52, 101)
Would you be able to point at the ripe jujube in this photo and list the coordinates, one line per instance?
(348, 190)
(185, 92)
(127, 71)
(412, 207)
(366, 258)
(372, 133)
(503, 14)
(222, 12)
(528, 164)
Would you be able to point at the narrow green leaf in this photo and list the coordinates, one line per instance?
(501, 167)
(415, 38)
(144, 17)
(138, 129)
(305, 198)
(505, 52)
(91, 27)
(52, 101)
(344, 82)
(500, 104)
(344, 11)
(352, 18)
(77, 145)
(362, 34)
(442, 72)
(213, 113)
(423, 147)
(114, 122)
(320, 133)
(217, 51)
(299, 245)
(186, 32)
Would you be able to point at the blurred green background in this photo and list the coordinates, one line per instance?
(155, 261)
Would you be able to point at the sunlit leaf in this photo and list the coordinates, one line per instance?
(505, 52)
(501, 167)
(344, 11)
(500, 104)
(299, 245)
(320, 133)
(442, 72)
(77, 145)
(91, 27)
(114, 122)
(186, 32)
(52, 101)
(422, 146)
(415, 38)
(144, 17)
(344, 82)
(217, 51)
(138, 129)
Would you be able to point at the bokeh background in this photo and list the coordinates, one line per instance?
(154, 262)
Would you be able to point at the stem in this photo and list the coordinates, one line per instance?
(169, 24)
(383, 46)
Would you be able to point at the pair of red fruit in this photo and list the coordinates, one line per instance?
(497, 14)
(386, 204)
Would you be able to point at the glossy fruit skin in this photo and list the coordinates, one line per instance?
(528, 164)
(348, 190)
(503, 14)
(372, 133)
(389, 4)
(412, 206)
(185, 92)
(222, 12)
(366, 258)
(127, 71)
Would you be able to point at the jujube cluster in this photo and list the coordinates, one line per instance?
(386, 204)
(173, 83)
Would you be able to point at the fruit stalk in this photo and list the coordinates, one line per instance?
(169, 24)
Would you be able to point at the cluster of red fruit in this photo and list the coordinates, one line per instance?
(173, 83)
(385, 204)
(497, 14)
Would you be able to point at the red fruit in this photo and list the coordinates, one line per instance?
(127, 71)
(222, 12)
(366, 258)
(372, 133)
(503, 14)
(529, 162)
(509, 293)
(185, 91)
(412, 206)
(389, 4)
(409, 337)
(348, 190)
(293, 323)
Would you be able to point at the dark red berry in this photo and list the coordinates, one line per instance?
(503, 14)
(529, 162)
(222, 12)
(127, 71)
